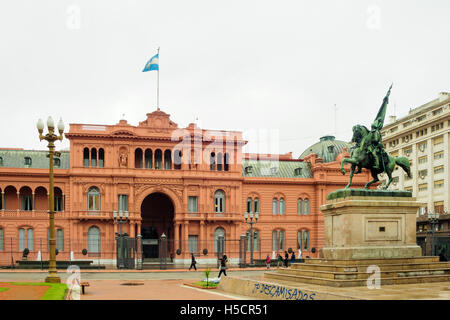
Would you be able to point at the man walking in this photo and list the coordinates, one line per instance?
(193, 263)
(223, 262)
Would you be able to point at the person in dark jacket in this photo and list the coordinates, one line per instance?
(286, 259)
(279, 261)
(193, 263)
(223, 266)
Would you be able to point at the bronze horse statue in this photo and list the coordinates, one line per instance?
(361, 158)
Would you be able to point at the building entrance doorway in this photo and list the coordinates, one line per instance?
(157, 212)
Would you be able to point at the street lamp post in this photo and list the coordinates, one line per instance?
(433, 218)
(251, 223)
(121, 218)
(51, 137)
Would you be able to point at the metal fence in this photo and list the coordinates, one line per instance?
(140, 253)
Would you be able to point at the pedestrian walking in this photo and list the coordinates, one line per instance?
(268, 262)
(223, 266)
(193, 262)
(293, 257)
(286, 259)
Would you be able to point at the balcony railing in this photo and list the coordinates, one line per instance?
(84, 214)
(18, 213)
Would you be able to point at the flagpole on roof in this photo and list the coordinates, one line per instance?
(157, 95)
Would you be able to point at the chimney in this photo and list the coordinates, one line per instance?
(392, 119)
(443, 96)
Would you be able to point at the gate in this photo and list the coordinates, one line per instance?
(220, 249)
(442, 246)
(125, 248)
(242, 251)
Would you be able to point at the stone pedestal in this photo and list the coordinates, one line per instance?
(370, 224)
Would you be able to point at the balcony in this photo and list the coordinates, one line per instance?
(30, 214)
(92, 215)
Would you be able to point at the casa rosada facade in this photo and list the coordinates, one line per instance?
(190, 184)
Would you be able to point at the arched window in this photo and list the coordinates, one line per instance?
(219, 240)
(93, 157)
(212, 161)
(255, 241)
(60, 239)
(158, 159)
(249, 205)
(27, 162)
(177, 159)
(26, 197)
(26, 239)
(278, 240)
(101, 158)
(300, 206)
(138, 158)
(274, 206)
(167, 160)
(21, 239)
(256, 205)
(226, 160)
(282, 206)
(306, 240)
(58, 202)
(299, 239)
(219, 201)
(307, 207)
(57, 162)
(148, 158)
(94, 199)
(94, 240)
(86, 157)
(219, 161)
(2, 240)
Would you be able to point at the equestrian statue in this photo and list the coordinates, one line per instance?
(368, 151)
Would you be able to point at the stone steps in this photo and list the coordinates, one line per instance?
(364, 275)
(347, 273)
(356, 282)
(363, 268)
(376, 261)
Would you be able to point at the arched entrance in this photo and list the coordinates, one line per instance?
(157, 212)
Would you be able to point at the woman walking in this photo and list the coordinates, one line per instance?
(268, 262)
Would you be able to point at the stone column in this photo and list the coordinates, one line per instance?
(185, 238)
(3, 201)
(132, 229)
(32, 202)
(18, 201)
(177, 236)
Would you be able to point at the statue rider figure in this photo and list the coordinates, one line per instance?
(372, 142)
(374, 145)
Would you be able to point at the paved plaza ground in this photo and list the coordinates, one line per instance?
(157, 284)
(169, 285)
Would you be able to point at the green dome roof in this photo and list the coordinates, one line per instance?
(327, 148)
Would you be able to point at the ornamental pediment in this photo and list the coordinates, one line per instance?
(158, 120)
(123, 133)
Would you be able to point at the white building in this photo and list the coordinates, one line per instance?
(423, 137)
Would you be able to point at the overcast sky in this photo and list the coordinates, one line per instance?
(256, 66)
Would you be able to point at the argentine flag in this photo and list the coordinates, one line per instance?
(152, 64)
